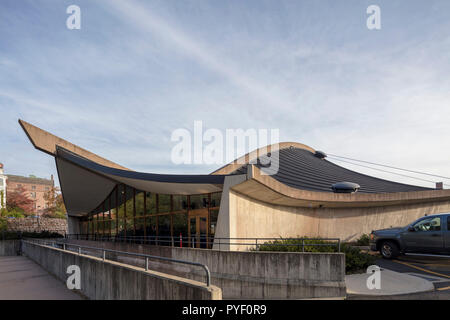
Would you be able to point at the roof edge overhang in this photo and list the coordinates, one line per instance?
(70, 157)
(46, 142)
(86, 184)
(269, 190)
(117, 174)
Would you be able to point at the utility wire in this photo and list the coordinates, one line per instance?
(383, 165)
(403, 175)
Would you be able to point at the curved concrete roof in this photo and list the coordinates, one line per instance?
(253, 155)
(302, 179)
(46, 142)
(86, 179)
(86, 184)
(296, 166)
(299, 168)
(267, 189)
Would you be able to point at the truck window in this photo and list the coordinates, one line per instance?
(429, 224)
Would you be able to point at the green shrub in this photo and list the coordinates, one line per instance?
(295, 245)
(363, 240)
(355, 260)
(59, 215)
(13, 213)
(3, 224)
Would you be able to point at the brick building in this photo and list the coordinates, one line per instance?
(35, 189)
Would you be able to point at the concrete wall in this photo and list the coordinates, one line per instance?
(73, 225)
(9, 247)
(37, 225)
(108, 280)
(249, 275)
(259, 219)
(226, 222)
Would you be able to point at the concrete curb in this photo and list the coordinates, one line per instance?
(426, 295)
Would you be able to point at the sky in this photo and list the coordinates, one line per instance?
(138, 70)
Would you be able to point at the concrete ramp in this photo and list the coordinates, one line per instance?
(102, 279)
(23, 279)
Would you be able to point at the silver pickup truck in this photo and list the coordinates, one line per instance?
(429, 234)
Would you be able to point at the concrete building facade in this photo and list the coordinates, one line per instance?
(306, 196)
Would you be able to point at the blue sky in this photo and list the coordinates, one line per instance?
(138, 70)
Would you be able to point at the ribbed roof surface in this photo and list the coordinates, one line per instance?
(299, 168)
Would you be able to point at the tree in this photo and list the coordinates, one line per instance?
(2, 199)
(18, 200)
(54, 204)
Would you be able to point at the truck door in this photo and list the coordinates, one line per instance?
(447, 235)
(425, 236)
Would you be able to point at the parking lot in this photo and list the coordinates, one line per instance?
(432, 268)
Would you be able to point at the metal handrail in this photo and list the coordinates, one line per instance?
(207, 240)
(146, 256)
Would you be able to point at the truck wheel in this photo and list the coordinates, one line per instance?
(389, 250)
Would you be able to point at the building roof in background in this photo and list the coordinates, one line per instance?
(30, 180)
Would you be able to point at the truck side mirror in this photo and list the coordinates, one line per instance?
(411, 229)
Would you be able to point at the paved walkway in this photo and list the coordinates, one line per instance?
(23, 279)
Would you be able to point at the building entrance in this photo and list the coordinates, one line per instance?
(198, 228)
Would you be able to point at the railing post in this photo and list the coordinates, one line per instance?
(208, 275)
(146, 264)
(79, 250)
(303, 245)
(104, 255)
(64, 246)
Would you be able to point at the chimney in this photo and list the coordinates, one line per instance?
(439, 185)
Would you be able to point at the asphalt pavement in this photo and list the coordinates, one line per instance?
(431, 268)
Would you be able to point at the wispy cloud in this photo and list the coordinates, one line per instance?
(138, 70)
(267, 94)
